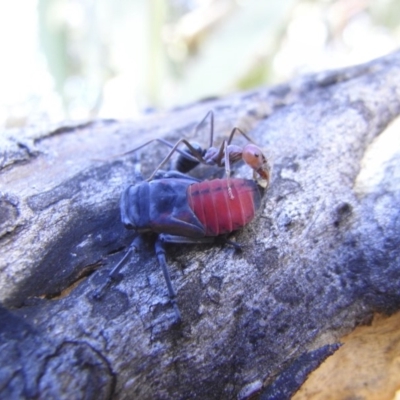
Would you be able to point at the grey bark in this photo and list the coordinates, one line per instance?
(320, 258)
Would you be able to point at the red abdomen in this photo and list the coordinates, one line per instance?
(217, 211)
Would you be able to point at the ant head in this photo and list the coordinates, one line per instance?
(255, 159)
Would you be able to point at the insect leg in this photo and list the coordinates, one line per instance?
(162, 141)
(228, 171)
(198, 126)
(167, 238)
(114, 273)
(191, 157)
(234, 130)
(172, 174)
(195, 153)
(223, 239)
(211, 113)
(160, 252)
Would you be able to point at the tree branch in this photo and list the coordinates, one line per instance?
(321, 257)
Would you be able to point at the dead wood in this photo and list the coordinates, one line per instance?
(321, 258)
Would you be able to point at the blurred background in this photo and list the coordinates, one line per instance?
(84, 59)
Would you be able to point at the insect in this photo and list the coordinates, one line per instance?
(178, 208)
(224, 156)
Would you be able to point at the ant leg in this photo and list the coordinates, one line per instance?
(234, 130)
(211, 128)
(195, 153)
(160, 252)
(211, 114)
(228, 171)
(198, 126)
(167, 238)
(183, 153)
(186, 162)
(162, 141)
(114, 273)
(172, 174)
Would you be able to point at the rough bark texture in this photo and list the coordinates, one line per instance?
(322, 256)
